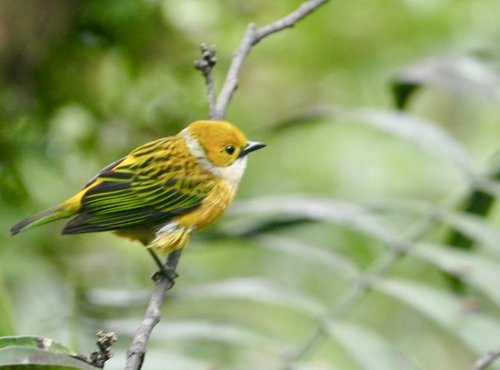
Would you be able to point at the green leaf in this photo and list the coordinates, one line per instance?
(37, 353)
(312, 365)
(307, 252)
(356, 217)
(475, 329)
(402, 91)
(43, 343)
(259, 290)
(158, 356)
(475, 227)
(460, 73)
(479, 203)
(23, 357)
(190, 330)
(482, 273)
(6, 324)
(425, 134)
(367, 348)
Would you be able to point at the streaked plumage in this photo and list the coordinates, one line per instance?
(161, 191)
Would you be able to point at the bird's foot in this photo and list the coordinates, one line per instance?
(165, 272)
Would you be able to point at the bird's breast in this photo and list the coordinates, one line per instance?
(212, 207)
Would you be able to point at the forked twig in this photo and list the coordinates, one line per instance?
(205, 65)
(252, 36)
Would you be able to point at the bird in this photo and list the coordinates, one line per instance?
(162, 191)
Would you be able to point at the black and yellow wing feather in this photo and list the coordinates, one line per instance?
(153, 184)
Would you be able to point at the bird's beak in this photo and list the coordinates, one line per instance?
(251, 147)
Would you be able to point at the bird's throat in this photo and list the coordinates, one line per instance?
(232, 173)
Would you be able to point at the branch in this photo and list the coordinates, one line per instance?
(397, 248)
(486, 360)
(289, 21)
(137, 350)
(205, 65)
(253, 36)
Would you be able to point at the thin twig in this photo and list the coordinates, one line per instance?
(205, 65)
(253, 36)
(359, 288)
(231, 82)
(104, 351)
(137, 350)
(289, 21)
(486, 360)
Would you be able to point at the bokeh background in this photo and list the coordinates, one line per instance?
(346, 180)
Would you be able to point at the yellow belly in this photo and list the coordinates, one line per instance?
(211, 209)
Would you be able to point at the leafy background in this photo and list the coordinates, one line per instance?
(311, 252)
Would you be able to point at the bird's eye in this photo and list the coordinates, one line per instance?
(230, 149)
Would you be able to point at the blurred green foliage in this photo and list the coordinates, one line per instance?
(83, 82)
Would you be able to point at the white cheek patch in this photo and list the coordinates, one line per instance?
(193, 145)
(231, 174)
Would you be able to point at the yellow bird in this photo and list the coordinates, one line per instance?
(162, 191)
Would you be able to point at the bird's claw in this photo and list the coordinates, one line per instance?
(165, 272)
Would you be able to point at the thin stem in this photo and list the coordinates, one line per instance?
(205, 65)
(253, 36)
(360, 287)
(137, 350)
(289, 21)
(231, 82)
(485, 361)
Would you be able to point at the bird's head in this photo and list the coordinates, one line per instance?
(221, 142)
(220, 147)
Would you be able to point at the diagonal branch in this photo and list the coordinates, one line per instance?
(205, 65)
(231, 82)
(253, 36)
(289, 21)
(485, 361)
(397, 248)
(137, 350)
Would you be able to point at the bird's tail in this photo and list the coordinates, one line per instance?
(41, 218)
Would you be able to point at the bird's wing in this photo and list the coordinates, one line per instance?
(154, 183)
